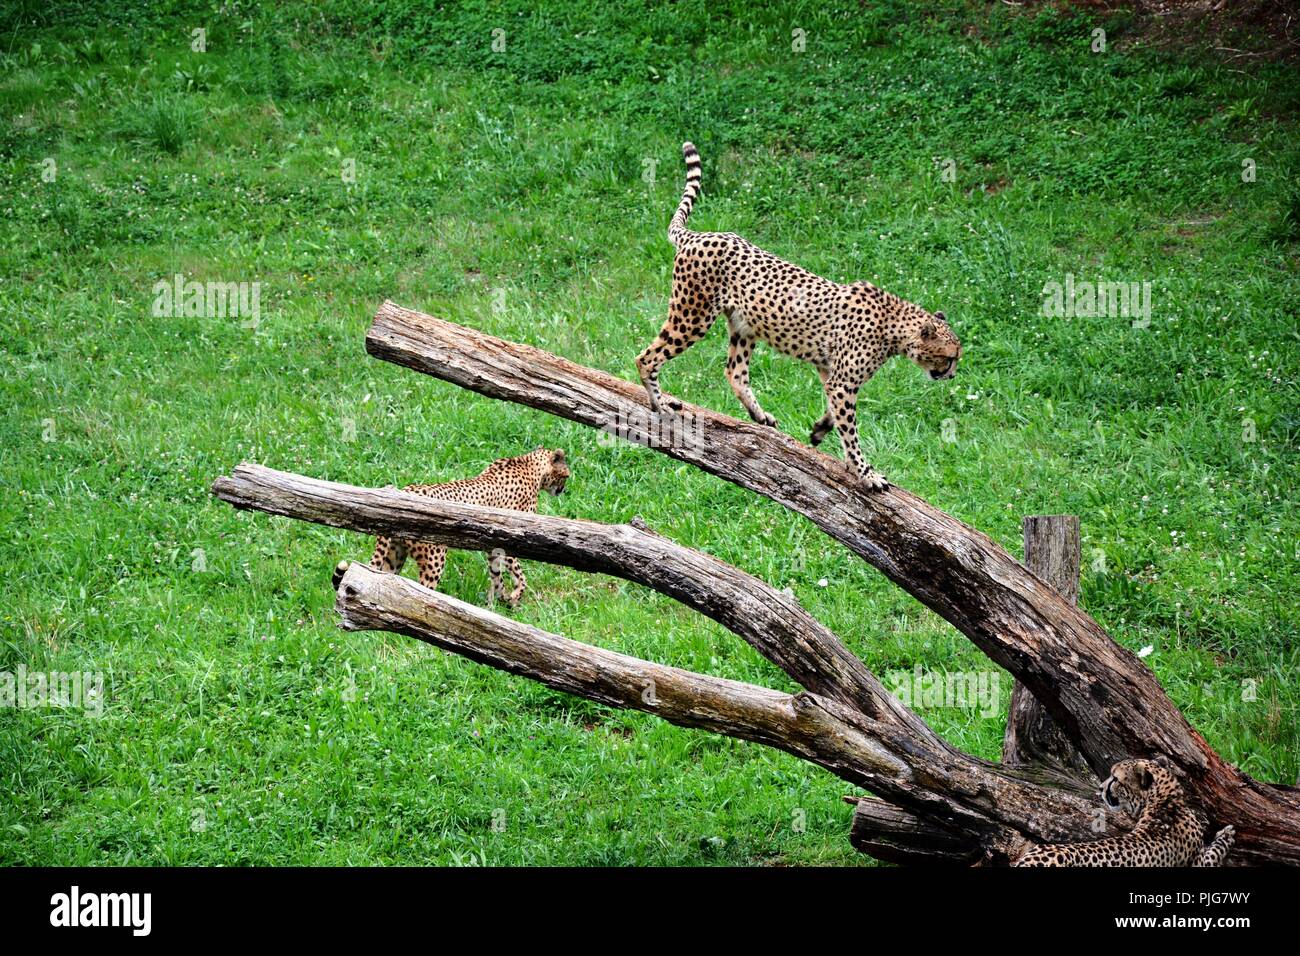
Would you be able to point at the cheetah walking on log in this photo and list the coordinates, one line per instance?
(513, 483)
(847, 332)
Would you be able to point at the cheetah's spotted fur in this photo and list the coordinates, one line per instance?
(846, 331)
(1169, 831)
(513, 483)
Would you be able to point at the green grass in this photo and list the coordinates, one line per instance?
(505, 191)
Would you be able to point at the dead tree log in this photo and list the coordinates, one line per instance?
(1105, 700)
(960, 573)
(890, 833)
(981, 809)
(815, 728)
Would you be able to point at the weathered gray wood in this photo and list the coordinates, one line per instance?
(373, 600)
(1052, 548)
(992, 808)
(773, 622)
(1104, 698)
(890, 833)
(957, 571)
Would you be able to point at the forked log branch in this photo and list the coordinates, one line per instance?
(892, 752)
(1106, 702)
(773, 622)
(801, 724)
(960, 573)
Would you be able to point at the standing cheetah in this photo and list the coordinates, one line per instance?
(846, 331)
(1169, 830)
(513, 483)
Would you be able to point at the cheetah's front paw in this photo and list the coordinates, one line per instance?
(763, 418)
(874, 480)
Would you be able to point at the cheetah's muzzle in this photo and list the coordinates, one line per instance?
(949, 371)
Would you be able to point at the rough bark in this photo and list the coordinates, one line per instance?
(1032, 738)
(817, 729)
(1105, 700)
(959, 572)
(893, 754)
(890, 833)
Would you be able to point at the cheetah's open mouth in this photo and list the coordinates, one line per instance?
(946, 372)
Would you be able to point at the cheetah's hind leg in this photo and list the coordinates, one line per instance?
(1217, 851)
(390, 555)
(826, 424)
(497, 589)
(517, 572)
(739, 350)
(686, 325)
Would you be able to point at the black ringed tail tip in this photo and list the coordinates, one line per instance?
(677, 228)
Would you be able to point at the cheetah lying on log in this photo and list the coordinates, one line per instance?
(1169, 831)
(513, 483)
(847, 332)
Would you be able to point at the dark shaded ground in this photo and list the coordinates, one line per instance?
(1232, 31)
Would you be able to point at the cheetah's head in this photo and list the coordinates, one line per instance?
(1133, 784)
(934, 347)
(556, 473)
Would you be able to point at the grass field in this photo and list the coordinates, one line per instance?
(525, 190)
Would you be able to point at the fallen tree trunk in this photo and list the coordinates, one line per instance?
(960, 573)
(987, 809)
(814, 728)
(890, 833)
(1032, 739)
(1104, 699)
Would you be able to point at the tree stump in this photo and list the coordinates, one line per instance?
(1032, 737)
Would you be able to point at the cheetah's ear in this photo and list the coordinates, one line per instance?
(941, 317)
(1160, 760)
(558, 455)
(1146, 780)
(928, 331)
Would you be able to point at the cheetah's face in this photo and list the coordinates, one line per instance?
(935, 347)
(1129, 785)
(557, 473)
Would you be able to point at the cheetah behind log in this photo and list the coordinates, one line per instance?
(847, 332)
(513, 483)
(1169, 830)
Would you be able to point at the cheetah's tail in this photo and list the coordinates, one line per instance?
(677, 228)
